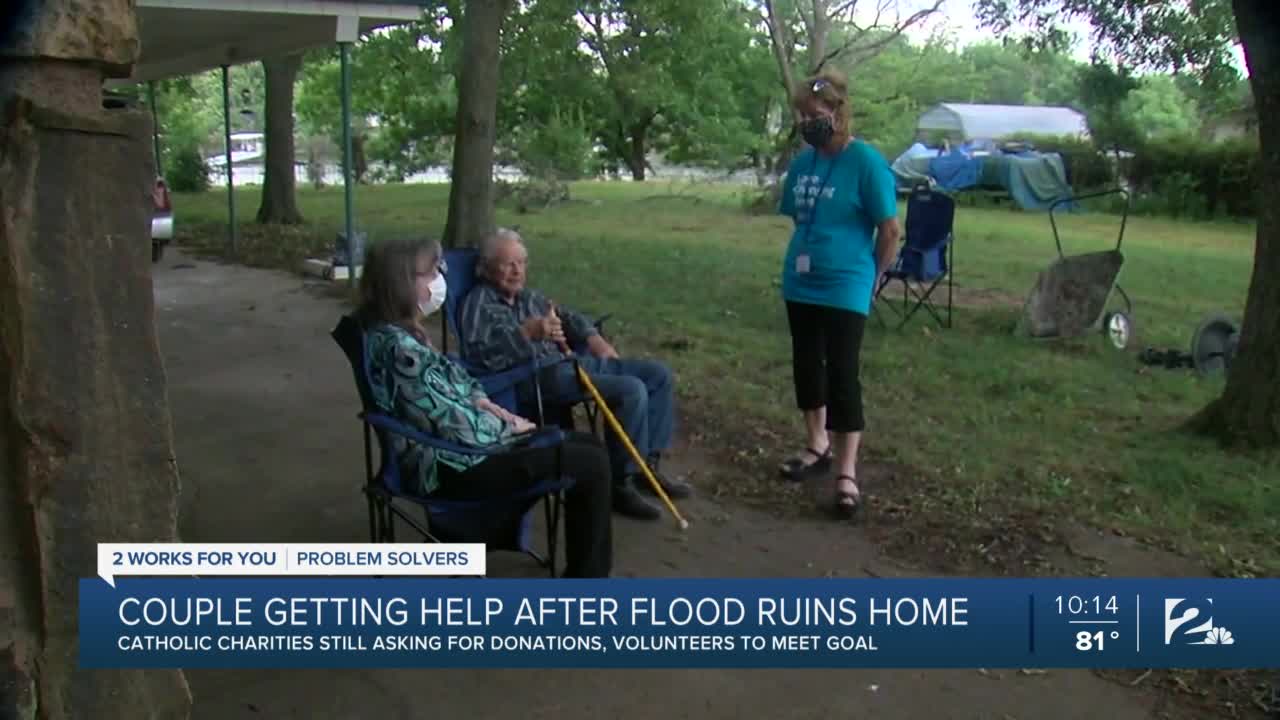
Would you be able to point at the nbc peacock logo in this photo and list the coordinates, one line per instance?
(1191, 623)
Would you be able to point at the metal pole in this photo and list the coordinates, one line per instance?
(155, 126)
(226, 138)
(346, 159)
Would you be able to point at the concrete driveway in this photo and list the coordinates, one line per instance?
(269, 450)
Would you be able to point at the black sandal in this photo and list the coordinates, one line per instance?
(847, 504)
(794, 468)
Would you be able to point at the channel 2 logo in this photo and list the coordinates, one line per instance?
(1193, 623)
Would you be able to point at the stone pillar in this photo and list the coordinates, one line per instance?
(86, 442)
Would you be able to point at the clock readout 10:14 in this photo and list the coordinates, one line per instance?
(1096, 605)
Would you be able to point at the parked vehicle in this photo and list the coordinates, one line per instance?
(162, 207)
(161, 219)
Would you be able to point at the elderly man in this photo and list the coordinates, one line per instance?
(505, 323)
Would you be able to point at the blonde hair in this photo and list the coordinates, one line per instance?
(830, 89)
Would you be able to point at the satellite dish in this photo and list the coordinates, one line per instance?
(1214, 344)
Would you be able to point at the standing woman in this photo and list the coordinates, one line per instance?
(842, 197)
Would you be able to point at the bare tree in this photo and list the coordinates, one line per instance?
(800, 32)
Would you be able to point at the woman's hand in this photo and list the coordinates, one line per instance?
(520, 425)
(517, 423)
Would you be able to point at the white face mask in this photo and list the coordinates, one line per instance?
(439, 288)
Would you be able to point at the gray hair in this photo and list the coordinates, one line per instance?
(489, 247)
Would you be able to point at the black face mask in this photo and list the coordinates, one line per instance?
(817, 132)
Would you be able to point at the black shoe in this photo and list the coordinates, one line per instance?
(675, 489)
(627, 501)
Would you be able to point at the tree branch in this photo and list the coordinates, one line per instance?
(874, 47)
(781, 50)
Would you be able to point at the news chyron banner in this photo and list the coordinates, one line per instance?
(431, 606)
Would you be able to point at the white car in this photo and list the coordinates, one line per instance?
(161, 219)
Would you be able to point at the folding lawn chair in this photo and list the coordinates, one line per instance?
(925, 256)
(501, 523)
(460, 276)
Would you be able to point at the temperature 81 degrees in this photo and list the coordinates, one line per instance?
(1095, 639)
(1094, 620)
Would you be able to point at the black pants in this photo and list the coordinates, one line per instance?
(825, 347)
(588, 515)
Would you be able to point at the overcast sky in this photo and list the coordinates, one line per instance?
(956, 21)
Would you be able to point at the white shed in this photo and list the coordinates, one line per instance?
(963, 121)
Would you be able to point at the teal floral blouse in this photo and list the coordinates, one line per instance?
(421, 387)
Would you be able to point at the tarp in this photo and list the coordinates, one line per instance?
(1034, 180)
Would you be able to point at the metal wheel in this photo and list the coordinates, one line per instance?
(1118, 329)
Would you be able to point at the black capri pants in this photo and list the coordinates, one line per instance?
(825, 346)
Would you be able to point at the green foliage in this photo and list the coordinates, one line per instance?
(187, 171)
(1132, 33)
(1160, 108)
(558, 148)
(1104, 92)
(1186, 177)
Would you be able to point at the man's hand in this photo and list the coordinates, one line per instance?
(555, 329)
(601, 347)
(546, 327)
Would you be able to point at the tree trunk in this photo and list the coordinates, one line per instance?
(1248, 412)
(86, 440)
(471, 188)
(635, 153)
(279, 183)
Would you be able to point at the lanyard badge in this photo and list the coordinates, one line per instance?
(809, 194)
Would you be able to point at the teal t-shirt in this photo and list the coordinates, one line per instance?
(836, 203)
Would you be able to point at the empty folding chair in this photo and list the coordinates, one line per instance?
(924, 261)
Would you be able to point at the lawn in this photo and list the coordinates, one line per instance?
(983, 429)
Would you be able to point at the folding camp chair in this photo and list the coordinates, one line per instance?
(925, 256)
(501, 523)
(460, 276)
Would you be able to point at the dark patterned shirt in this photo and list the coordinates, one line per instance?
(421, 387)
(491, 328)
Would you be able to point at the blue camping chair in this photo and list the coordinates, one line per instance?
(460, 276)
(501, 523)
(925, 256)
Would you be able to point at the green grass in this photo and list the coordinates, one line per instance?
(982, 428)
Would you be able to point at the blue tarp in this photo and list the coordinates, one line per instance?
(955, 171)
(1034, 180)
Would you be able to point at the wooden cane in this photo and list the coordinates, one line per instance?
(617, 428)
(635, 454)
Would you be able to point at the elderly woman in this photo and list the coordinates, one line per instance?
(402, 284)
(842, 198)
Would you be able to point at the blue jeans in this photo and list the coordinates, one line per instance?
(639, 392)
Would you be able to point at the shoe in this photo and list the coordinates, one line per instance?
(628, 501)
(675, 489)
(847, 504)
(796, 469)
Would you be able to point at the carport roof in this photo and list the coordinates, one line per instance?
(184, 37)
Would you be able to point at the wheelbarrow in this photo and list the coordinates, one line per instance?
(1075, 294)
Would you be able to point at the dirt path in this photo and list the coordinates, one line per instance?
(269, 450)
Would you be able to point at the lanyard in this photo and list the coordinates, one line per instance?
(813, 212)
